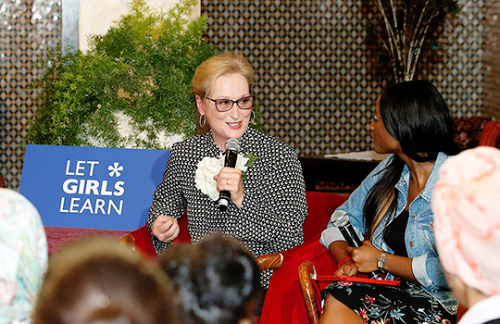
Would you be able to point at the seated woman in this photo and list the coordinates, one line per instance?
(96, 280)
(23, 255)
(467, 229)
(216, 281)
(267, 191)
(391, 209)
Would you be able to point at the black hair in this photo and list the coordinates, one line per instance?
(216, 280)
(416, 115)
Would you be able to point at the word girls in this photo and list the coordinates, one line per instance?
(100, 191)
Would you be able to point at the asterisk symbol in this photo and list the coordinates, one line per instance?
(115, 169)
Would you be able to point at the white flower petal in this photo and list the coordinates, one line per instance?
(209, 167)
(204, 178)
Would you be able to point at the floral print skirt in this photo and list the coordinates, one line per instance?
(379, 304)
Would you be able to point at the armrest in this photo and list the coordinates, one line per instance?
(139, 240)
(127, 240)
(269, 261)
(310, 291)
(284, 303)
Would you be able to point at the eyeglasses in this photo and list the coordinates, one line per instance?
(223, 105)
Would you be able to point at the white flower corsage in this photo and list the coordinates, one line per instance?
(208, 167)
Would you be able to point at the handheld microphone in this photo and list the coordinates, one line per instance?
(232, 147)
(340, 219)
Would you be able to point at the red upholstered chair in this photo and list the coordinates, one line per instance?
(140, 239)
(320, 204)
(284, 302)
(490, 134)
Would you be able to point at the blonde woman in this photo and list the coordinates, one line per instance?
(267, 190)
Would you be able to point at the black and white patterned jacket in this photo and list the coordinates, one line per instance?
(274, 206)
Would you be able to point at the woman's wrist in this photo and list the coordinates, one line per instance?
(381, 262)
(344, 260)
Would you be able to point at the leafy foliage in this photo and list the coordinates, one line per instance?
(138, 72)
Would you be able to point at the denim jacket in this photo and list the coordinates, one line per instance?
(419, 235)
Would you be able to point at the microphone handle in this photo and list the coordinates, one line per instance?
(353, 240)
(350, 235)
(229, 161)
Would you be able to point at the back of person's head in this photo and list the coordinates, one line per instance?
(23, 255)
(223, 64)
(466, 205)
(96, 280)
(415, 113)
(216, 280)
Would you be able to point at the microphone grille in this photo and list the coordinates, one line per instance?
(233, 144)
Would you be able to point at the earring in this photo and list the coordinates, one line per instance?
(202, 121)
(252, 117)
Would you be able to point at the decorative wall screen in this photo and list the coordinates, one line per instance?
(314, 83)
(29, 29)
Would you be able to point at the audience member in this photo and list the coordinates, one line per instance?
(268, 203)
(23, 254)
(97, 281)
(467, 229)
(391, 209)
(216, 281)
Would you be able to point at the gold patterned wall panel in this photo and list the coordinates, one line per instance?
(314, 81)
(315, 87)
(28, 29)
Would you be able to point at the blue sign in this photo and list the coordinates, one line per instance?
(90, 187)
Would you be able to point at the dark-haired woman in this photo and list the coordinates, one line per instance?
(391, 209)
(216, 281)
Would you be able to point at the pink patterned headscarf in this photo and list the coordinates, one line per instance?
(466, 205)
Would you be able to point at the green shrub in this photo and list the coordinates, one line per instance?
(137, 75)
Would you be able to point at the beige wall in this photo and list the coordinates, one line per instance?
(96, 16)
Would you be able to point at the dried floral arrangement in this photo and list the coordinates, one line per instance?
(402, 32)
(131, 89)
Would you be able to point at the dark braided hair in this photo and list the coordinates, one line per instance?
(216, 280)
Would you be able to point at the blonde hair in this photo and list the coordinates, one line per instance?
(223, 64)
